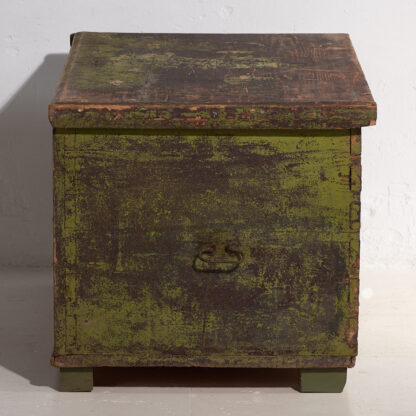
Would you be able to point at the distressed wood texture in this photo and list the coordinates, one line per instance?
(262, 81)
(137, 213)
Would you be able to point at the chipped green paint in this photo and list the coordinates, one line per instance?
(119, 80)
(141, 359)
(145, 67)
(134, 207)
(209, 117)
(119, 67)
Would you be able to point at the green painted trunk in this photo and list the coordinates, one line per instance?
(221, 248)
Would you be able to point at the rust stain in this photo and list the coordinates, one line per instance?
(118, 116)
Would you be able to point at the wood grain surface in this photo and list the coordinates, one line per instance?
(120, 80)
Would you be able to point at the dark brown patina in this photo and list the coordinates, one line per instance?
(207, 202)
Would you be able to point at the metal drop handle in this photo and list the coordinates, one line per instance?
(230, 249)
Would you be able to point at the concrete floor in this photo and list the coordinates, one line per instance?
(382, 383)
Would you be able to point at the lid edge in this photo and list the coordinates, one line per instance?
(304, 116)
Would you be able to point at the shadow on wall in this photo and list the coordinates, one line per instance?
(26, 328)
(26, 169)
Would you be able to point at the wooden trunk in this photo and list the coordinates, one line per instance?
(207, 203)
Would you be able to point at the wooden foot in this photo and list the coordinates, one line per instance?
(322, 380)
(76, 379)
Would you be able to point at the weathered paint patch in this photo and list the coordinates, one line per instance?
(133, 208)
(210, 117)
(212, 360)
(120, 80)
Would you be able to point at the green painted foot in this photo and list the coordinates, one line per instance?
(75, 379)
(322, 380)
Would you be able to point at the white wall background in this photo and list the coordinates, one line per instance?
(34, 41)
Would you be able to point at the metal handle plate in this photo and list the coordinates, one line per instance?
(214, 262)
